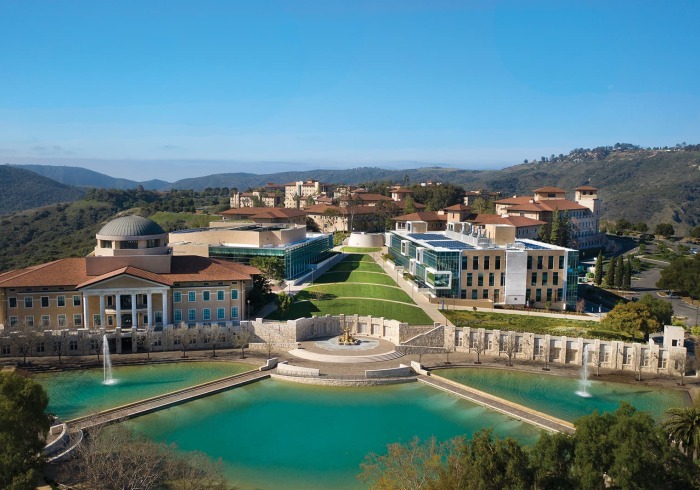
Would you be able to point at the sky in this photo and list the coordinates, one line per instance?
(176, 89)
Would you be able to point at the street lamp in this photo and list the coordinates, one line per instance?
(248, 309)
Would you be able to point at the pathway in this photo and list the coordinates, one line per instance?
(506, 407)
(357, 359)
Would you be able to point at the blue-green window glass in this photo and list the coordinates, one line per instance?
(191, 296)
(177, 296)
(220, 295)
(177, 315)
(234, 294)
(480, 279)
(206, 314)
(221, 313)
(191, 315)
(234, 312)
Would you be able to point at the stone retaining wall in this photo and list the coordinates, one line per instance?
(344, 382)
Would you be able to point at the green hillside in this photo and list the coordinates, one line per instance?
(22, 189)
(84, 177)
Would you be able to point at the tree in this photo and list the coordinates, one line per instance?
(682, 274)
(261, 294)
(619, 271)
(409, 205)
(147, 341)
(183, 336)
(598, 275)
(660, 309)
(242, 339)
(510, 346)
(271, 267)
(665, 230)
(627, 275)
(631, 317)
(683, 428)
(610, 273)
(680, 363)
(597, 360)
(215, 333)
(23, 428)
(23, 339)
(551, 459)
(479, 345)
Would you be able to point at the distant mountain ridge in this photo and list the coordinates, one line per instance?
(83, 177)
(23, 189)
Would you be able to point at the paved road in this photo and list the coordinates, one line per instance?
(646, 284)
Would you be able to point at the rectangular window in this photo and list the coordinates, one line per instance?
(177, 316)
(503, 279)
(191, 296)
(492, 279)
(220, 295)
(533, 279)
(73, 345)
(28, 302)
(475, 292)
(234, 312)
(538, 295)
(475, 262)
(561, 261)
(560, 294)
(78, 319)
(13, 302)
(44, 301)
(29, 320)
(45, 320)
(487, 263)
(191, 315)
(480, 279)
(206, 314)
(76, 300)
(498, 262)
(485, 294)
(469, 278)
(549, 294)
(529, 261)
(545, 278)
(61, 300)
(6, 350)
(221, 314)
(177, 296)
(96, 320)
(555, 278)
(550, 262)
(206, 296)
(61, 320)
(159, 316)
(40, 347)
(234, 294)
(539, 262)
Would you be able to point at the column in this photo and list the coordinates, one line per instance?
(102, 311)
(86, 324)
(150, 310)
(164, 294)
(118, 299)
(134, 315)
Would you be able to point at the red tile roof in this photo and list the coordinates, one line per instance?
(422, 216)
(458, 207)
(264, 212)
(515, 200)
(585, 188)
(549, 189)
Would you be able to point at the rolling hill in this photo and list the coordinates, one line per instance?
(22, 189)
(82, 177)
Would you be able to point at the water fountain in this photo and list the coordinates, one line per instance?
(107, 363)
(583, 384)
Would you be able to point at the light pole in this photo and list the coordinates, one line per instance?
(248, 309)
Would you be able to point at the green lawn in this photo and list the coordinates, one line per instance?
(191, 220)
(349, 306)
(366, 277)
(361, 250)
(358, 291)
(359, 258)
(346, 266)
(535, 324)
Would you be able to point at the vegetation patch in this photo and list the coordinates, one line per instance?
(361, 250)
(182, 221)
(372, 291)
(361, 306)
(346, 266)
(362, 277)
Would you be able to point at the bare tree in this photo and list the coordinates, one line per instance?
(510, 346)
(215, 332)
(96, 343)
(23, 339)
(182, 336)
(242, 339)
(638, 361)
(580, 305)
(545, 351)
(148, 341)
(680, 363)
(479, 345)
(59, 344)
(596, 359)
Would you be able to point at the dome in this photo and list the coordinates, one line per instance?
(131, 226)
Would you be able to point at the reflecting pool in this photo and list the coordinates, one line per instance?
(275, 434)
(556, 395)
(80, 392)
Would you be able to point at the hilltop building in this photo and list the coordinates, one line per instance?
(130, 280)
(297, 194)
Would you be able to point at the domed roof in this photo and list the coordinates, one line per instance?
(131, 226)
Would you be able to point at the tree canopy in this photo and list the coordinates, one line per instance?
(631, 318)
(683, 274)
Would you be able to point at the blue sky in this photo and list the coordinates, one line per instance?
(176, 89)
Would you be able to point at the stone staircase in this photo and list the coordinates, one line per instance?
(313, 356)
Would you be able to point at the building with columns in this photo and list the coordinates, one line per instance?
(130, 280)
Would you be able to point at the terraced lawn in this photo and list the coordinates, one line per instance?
(374, 291)
(350, 306)
(346, 266)
(357, 277)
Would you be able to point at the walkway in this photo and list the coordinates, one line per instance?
(150, 405)
(506, 407)
(357, 359)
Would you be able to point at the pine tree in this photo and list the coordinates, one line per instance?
(610, 273)
(619, 271)
(598, 275)
(556, 224)
(627, 277)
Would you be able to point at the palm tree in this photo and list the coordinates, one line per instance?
(683, 428)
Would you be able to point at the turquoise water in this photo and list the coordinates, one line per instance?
(80, 392)
(273, 434)
(556, 395)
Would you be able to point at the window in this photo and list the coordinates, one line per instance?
(78, 319)
(234, 294)
(561, 261)
(538, 295)
(110, 321)
(539, 261)
(550, 262)
(627, 355)
(549, 294)
(555, 278)
(177, 316)
(560, 294)
(44, 301)
(475, 262)
(97, 320)
(485, 294)
(61, 300)
(177, 296)
(469, 278)
(498, 262)
(73, 345)
(545, 278)
(191, 296)
(14, 321)
(533, 279)
(28, 302)
(234, 312)
(492, 279)
(29, 320)
(529, 262)
(220, 295)
(61, 320)
(480, 279)
(221, 314)
(475, 293)
(76, 300)
(13, 302)
(487, 263)
(45, 320)
(206, 314)
(206, 295)
(6, 350)
(191, 315)
(40, 347)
